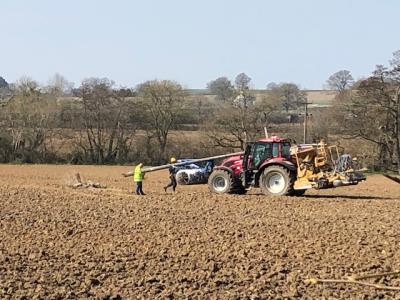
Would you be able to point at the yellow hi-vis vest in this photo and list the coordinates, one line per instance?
(138, 175)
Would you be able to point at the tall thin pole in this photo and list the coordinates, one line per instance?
(305, 121)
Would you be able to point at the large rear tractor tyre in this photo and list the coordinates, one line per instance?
(277, 181)
(220, 182)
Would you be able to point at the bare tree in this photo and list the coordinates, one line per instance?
(161, 101)
(26, 86)
(340, 81)
(3, 83)
(29, 120)
(242, 82)
(222, 88)
(271, 86)
(5, 92)
(240, 119)
(289, 94)
(105, 116)
(59, 85)
(395, 61)
(233, 126)
(373, 113)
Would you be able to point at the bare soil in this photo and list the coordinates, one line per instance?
(60, 243)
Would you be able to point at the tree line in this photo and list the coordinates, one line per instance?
(369, 110)
(100, 122)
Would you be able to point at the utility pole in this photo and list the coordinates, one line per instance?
(305, 120)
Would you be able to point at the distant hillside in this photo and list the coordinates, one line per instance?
(321, 97)
(317, 97)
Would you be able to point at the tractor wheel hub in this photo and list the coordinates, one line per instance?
(276, 183)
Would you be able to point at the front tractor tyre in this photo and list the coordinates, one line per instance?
(220, 182)
(277, 181)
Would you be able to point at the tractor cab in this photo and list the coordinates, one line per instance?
(259, 154)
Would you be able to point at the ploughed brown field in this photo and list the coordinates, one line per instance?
(59, 243)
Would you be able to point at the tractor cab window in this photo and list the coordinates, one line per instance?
(275, 149)
(261, 152)
(286, 150)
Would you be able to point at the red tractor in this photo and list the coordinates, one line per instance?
(280, 169)
(266, 163)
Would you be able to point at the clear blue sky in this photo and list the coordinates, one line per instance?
(193, 42)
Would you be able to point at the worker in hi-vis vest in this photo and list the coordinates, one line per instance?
(138, 178)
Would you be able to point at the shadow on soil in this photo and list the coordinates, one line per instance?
(346, 197)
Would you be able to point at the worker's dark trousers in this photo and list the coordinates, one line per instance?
(139, 188)
(172, 183)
